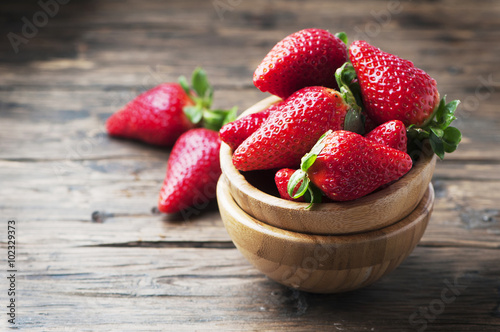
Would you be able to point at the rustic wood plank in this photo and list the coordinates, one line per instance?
(160, 287)
(124, 192)
(71, 124)
(98, 57)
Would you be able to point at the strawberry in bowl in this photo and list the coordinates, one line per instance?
(351, 163)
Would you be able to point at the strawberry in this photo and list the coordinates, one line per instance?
(281, 179)
(192, 171)
(234, 133)
(288, 134)
(155, 116)
(346, 166)
(308, 57)
(394, 89)
(160, 115)
(391, 134)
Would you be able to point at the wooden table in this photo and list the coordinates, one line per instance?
(91, 255)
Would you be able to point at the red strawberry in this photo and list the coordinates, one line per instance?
(160, 115)
(281, 179)
(305, 58)
(192, 171)
(346, 166)
(155, 116)
(369, 123)
(391, 134)
(288, 134)
(391, 87)
(234, 133)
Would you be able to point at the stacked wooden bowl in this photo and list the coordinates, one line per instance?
(332, 247)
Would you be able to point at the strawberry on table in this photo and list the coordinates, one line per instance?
(391, 134)
(346, 166)
(155, 116)
(192, 171)
(193, 167)
(160, 115)
(308, 57)
(292, 131)
(235, 132)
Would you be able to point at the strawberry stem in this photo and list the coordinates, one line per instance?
(201, 94)
(342, 36)
(442, 137)
(351, 92)
(300, 175)
(215, 119)
(436, 131)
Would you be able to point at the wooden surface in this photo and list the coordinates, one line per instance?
(318, 263)
(91, 255)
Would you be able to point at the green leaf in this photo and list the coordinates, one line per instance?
(215, 119)
(437, 145)
(201, 94)
(184, 84)
(315, 194)
(437, 132)
(416, 133)
(439, 114)
(230, 115)
(209, 98)
(309, 158)
(349, 86)
(451, 138)
(299, 176)
(445, 113)
(449, 113)
(342, 36)
(194, 113)
(355, 122)
(200, 82)
(307, 161)
(443, 138)
(345, 75)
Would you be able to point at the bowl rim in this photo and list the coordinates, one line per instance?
(302, 257)
(363, 204)
(227, 202)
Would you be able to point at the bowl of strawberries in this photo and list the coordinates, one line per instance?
(326, 185)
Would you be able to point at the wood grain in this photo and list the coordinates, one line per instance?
(322, 263)
(132, 269)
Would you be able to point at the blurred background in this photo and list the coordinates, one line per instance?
(123, 45)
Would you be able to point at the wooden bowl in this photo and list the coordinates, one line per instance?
(252, 191)
(322, 263)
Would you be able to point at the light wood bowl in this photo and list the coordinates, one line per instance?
(256, 194)
(322, 263)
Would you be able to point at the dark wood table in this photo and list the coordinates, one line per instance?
(90, 255)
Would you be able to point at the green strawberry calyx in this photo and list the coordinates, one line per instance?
(311, 193)
(342, 36)
(201, 93)
(442, 137)
(351, 92)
